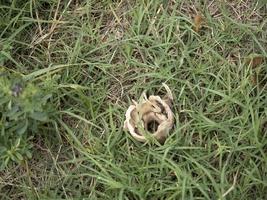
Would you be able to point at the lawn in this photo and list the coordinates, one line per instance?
(70, 68)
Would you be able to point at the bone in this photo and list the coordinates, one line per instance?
(139, 115)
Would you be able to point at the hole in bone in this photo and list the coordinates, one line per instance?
(136, 131)
(152, 126)
(163, 110)
(160, 105)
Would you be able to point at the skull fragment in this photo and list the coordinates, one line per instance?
(151, 115)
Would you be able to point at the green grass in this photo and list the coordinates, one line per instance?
(102, 54)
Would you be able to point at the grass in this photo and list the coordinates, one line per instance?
(102, 54)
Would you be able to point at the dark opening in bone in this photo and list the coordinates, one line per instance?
(152, 126)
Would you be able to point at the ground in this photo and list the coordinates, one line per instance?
(102, 54)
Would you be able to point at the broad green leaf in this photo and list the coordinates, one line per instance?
(22, 127)
(39, 116)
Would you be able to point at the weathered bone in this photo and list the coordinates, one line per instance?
(139, 115)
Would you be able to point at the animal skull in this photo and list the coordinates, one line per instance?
(152, 109)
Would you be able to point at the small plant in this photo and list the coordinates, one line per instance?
(24, 107)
